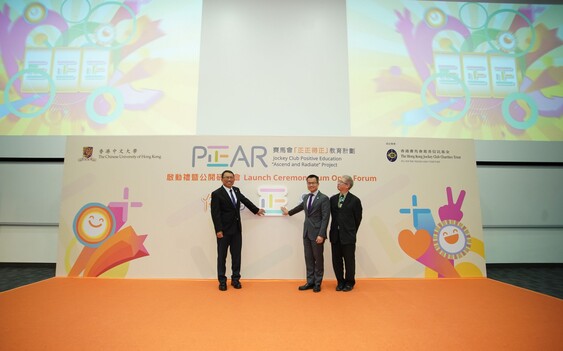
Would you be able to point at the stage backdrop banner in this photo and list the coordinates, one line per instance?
(139, 207)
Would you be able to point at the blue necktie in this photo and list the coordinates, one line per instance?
(310, 202)
(233, 198)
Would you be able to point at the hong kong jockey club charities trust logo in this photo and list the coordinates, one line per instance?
(391, 155)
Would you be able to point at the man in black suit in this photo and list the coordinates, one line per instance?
(317, 213)
(346, 211)
(225, 212)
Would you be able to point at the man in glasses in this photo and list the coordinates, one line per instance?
(316, 206)
(346, 212)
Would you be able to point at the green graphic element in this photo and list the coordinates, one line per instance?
(42, 110)
(508, 117)
(515, 54)
(96, 117)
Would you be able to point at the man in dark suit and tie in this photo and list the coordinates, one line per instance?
(225, 212)
(317, 212)
(346, 211)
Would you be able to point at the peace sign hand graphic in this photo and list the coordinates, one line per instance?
(453, 209)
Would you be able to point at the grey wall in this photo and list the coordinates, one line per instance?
(272, 67)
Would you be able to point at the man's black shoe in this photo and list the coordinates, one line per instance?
(223, 286)
(317, 288)
(236, 284)
(306, 287)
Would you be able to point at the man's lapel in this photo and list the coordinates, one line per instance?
(316, 202)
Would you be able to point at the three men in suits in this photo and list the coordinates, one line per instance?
(346, 211)
(317, 212)
(225, 212)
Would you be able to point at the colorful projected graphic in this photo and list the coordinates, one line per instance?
(107, 244)
(438, 246)
(99, 67)
(456, 70)
(270, 197)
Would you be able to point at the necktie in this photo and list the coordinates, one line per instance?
(233, 198)
(310, 202)
(340, 200)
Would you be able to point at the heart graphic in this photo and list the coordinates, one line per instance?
(414, 244)
(419, 246)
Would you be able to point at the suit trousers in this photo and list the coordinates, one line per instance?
(234, 242)
(314, 261)
(344, 256)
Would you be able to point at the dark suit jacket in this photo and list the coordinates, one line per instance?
(345, 220)
(316, 222)
(226, 217)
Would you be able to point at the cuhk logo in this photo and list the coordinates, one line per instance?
(87, 152)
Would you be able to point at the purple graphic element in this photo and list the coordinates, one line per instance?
(547, 107)
(453, 209)
(120, 209)
(119, 214)
(271, 190)
(395, 70)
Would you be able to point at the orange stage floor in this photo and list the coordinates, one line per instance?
(379, 314)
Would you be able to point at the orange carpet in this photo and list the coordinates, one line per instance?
(379, 314)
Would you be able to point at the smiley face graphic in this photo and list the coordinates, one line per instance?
(451, 239)
(93, 224)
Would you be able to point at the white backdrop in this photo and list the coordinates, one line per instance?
(162, 186)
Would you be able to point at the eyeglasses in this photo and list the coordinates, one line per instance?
(312, 183)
